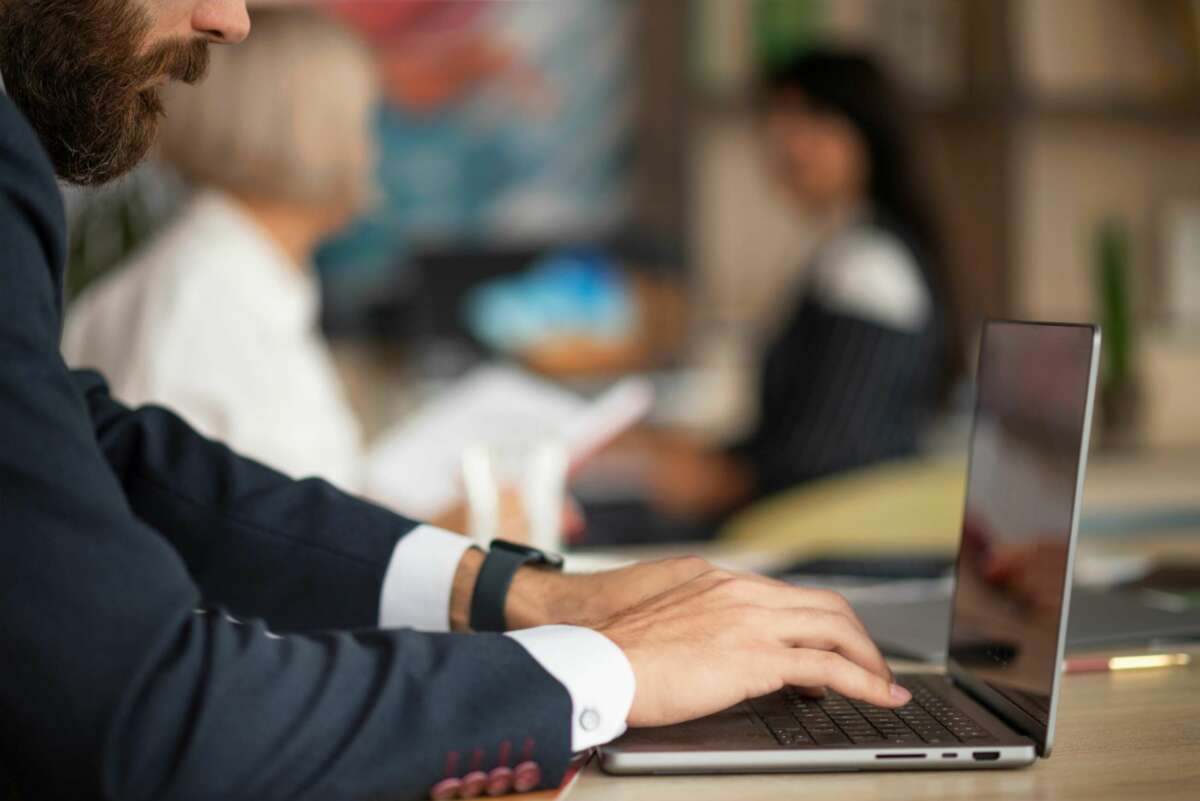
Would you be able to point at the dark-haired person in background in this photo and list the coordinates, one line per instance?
(870, 343)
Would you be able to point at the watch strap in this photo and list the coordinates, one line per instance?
(491, 588)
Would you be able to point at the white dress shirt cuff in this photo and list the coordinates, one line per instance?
(596, 673)
(420, 575)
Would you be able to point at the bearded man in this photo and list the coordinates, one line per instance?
(177, 622)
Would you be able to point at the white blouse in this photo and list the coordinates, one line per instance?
(216, 322)
(868, 273)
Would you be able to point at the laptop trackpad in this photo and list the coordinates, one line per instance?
(732, 730)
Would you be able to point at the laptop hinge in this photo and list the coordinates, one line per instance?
(1001, 707)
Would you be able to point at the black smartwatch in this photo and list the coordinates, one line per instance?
(495, 577)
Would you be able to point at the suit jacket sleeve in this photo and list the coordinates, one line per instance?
(113, 685)
(301, 554)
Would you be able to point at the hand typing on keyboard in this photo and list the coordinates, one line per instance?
(722, 638)
(928, 719)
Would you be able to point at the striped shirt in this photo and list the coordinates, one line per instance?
(852, 377)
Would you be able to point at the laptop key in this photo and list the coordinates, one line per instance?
(855, 734)
(830, 737)
(777, 720)
(793, 738)
(910, 739)
(770, 705)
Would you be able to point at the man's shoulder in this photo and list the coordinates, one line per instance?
(21, 152)
(27, 178)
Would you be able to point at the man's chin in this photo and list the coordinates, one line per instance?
(106, 161)
(151, 105)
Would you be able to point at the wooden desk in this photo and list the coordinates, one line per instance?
(1132, 736)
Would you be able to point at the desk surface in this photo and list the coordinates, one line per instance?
(1130, 735)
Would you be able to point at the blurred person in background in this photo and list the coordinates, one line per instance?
(869, 345)
(218, 317)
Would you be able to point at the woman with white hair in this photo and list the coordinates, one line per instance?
(217, 318)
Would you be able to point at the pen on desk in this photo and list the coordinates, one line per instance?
(1134, 662)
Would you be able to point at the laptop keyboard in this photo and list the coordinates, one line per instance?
(929, 719)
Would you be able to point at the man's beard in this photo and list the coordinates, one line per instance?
(74, 67)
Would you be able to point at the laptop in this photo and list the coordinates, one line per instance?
(995, 705)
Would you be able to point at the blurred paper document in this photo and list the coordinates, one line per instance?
(416, 467)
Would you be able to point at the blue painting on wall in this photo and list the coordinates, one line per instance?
(502, 123)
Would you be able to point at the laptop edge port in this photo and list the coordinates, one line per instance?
(899, 756)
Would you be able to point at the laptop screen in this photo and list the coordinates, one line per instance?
(1031, 416)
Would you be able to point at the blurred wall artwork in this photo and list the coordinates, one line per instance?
(501, 122)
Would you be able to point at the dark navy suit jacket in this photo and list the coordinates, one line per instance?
(116, 525)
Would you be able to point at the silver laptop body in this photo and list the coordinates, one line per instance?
(995, 705)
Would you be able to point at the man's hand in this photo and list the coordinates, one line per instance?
(687, 479)
(699, 639)
(539, 596)
(721, 638)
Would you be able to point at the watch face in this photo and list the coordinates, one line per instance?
(535, 556)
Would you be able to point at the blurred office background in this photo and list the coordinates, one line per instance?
(579, 185)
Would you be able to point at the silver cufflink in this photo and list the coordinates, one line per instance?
(589, 719)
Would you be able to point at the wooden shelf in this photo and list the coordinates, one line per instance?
(1017, 105)
(1116, 109)
(1090, 107)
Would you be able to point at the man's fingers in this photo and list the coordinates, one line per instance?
(830, 601)
(830, 631)
(810, 668)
